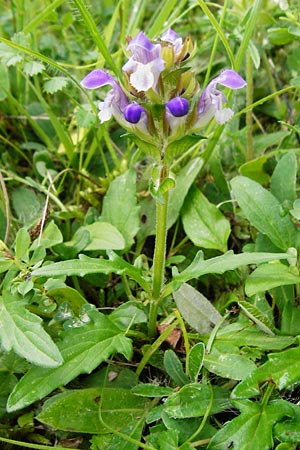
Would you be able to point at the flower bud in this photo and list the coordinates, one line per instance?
(133, 112)
(178, 106)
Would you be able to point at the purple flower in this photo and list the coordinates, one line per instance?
(145, 64)
(116, 104)
(211, 99)
(172, 37)
(178, 106)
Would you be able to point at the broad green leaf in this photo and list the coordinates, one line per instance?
(33, 67)
(193, 400)
(120, 206)
(4, 81)
(128, 314)
(254, 313)
(195, 360)
(203, 222)
(76, 411)
(5, 264)
(83, 349)
(174, 369)
(196, 309)
(283, 180)
(85, 265)
(289, 429)
(22, 243)
(115, 441)
(67, 294)
(55, 84)
(241, 336)
(252, 429)
(229, 365)
(152, 390)
(282, 368)
(187, 428)
(179, 147)
(104, 236)
(27, 205)
(50, 237)
(256, 169)
(264, 212)
(184, 180)
(121, 407)
(228, 261)
(22, 331)
(269, 276)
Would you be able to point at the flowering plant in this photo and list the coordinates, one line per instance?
(159, 100)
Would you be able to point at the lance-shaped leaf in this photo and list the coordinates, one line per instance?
(283, 369)
(269, 276)
(264, 212)
(220, 264)
(86, 265)
(252, 429)
(83, 349)
(22, 331)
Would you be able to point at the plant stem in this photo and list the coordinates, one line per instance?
(249, 122)
(159, 257)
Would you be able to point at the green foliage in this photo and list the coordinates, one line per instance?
(79, 362)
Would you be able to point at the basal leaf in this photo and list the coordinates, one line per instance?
(204, 223)
(74, 410)
(259, 317)
(282, 368)
(229, 365)
(192, 400)
(252, 429)
(174, 369)
(228, 261)
(22, 331)
(120, 206)
(195, 360)
(264, 212)
(197, 310)
(269, 276)
(104, 236)
(283, 180)
(83, 349)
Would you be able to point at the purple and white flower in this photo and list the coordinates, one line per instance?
(145, 63)
(116, 104)
(211, 100)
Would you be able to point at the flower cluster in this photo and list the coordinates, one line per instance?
(159, 98)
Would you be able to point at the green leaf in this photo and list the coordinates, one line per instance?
(4, 82)
(27, 205)
(252, 429)
(198, 312)
(85, 117)
(283, 369)
(33, 68)
(104, 236)
(184, 180)
(203, 222)
(174, 369)
(5, 264)
(51, 236)
(179, 147)
(152, 390)
(289, 430)
(76, 411)
(195, 360)
(228, 261)
(127, 314)
(258, 317)
(83, 349)
(55, 84)
(120, 206)
(22, 243)
(269, 276)
(256, 169)
(283, 181)
(85, 265)
(22, 331)
(264, 212)
(192, 400)
(228, 365)
(240, 336)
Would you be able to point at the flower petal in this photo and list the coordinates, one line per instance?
(133, 112)
(231, 79)
(96, 79)
(178, 106)
(142, 79)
